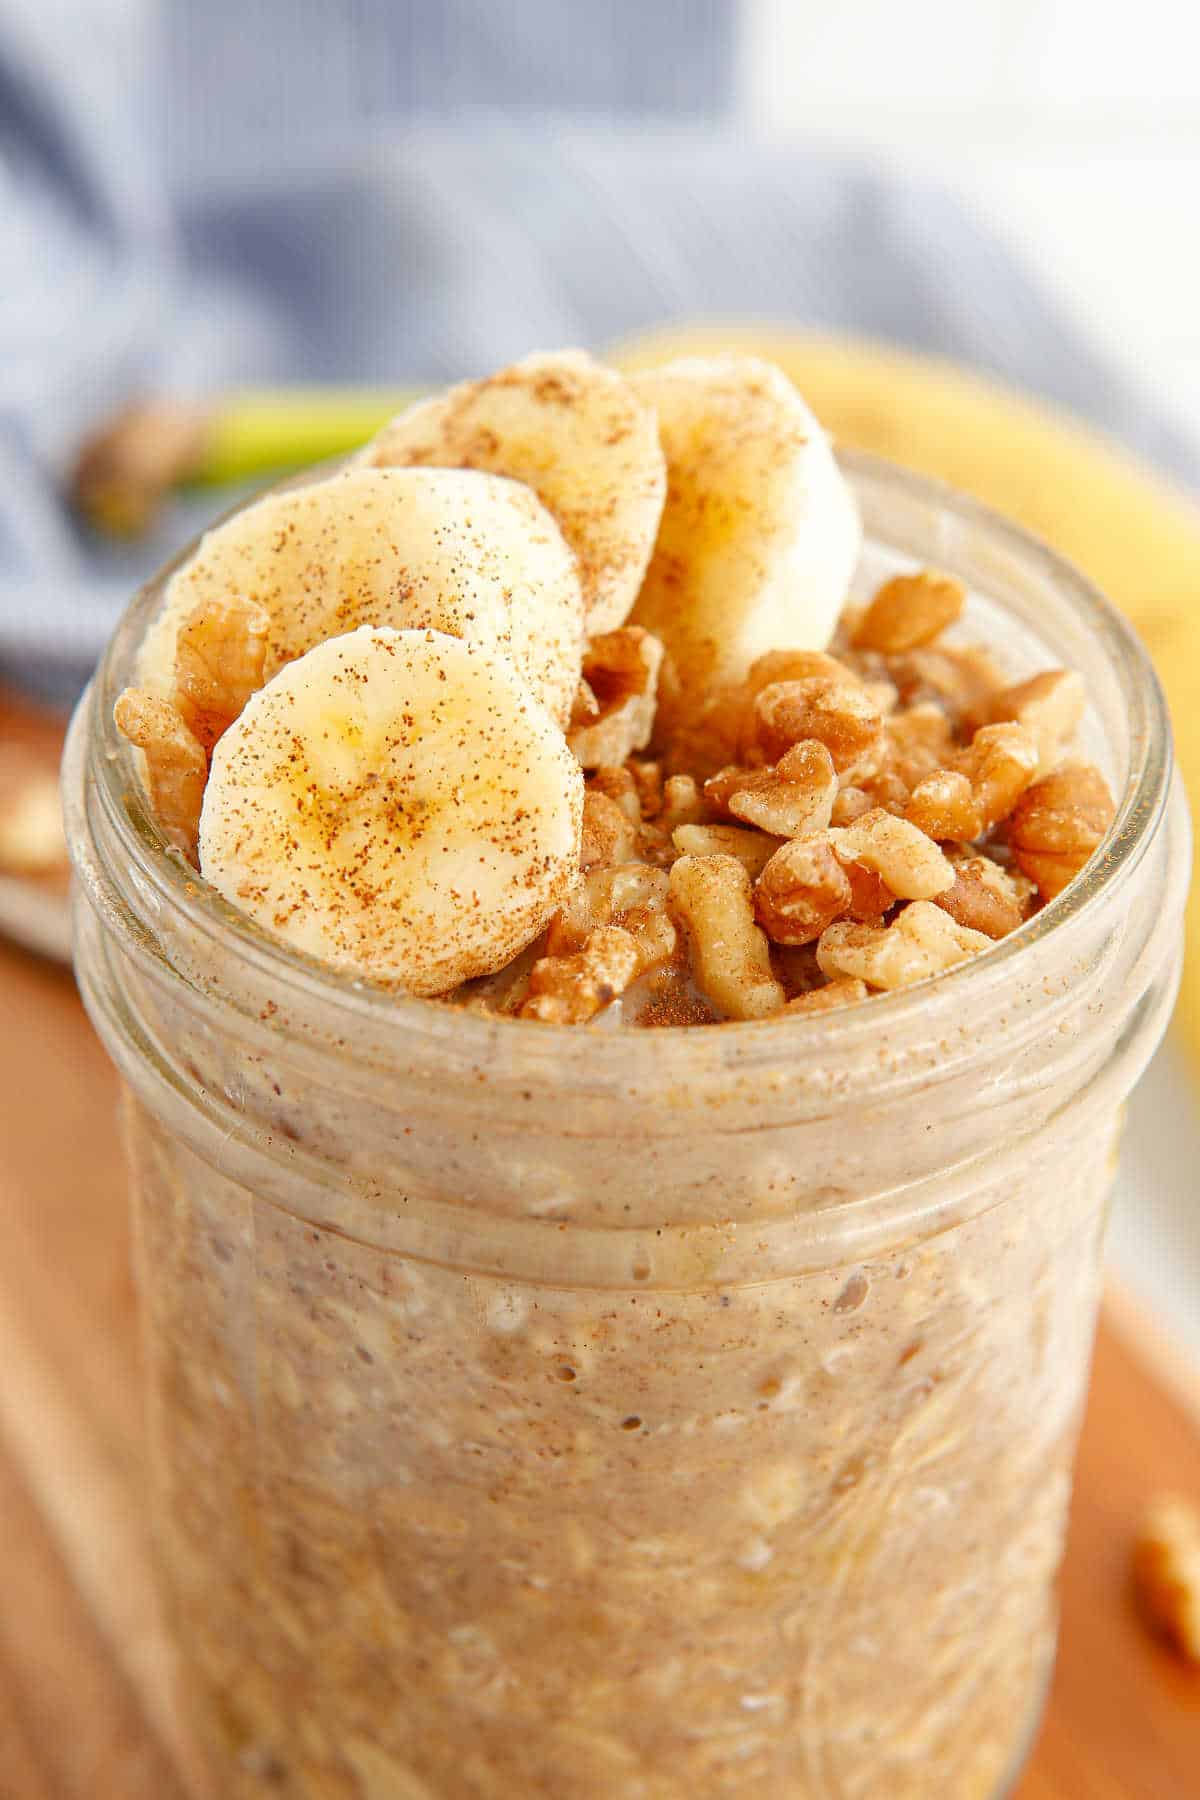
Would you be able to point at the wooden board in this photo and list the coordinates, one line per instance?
(84, 1702)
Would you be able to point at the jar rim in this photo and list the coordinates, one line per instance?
(620, 1056)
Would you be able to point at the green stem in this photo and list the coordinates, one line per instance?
(257, 430)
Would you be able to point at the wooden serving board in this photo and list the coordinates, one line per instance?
(85, 1711)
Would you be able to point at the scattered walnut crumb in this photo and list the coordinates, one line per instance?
(1166, 1571)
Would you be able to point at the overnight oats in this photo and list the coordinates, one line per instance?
(627, 942)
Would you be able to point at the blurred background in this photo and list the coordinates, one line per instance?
(202, 206)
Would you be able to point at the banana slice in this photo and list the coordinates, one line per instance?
(469, 554)
(398, 805)
(760, 534)
(579, 436)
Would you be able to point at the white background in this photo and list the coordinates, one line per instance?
(1073, 128)
(1072, 125)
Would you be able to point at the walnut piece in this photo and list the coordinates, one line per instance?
(921, 941)
(220, 660)
(803, 889)
(176, 766)
(1058, 823)
(620, 787)
(1049, 706)
(620, 671)
(1166, 1571)
(836, 711)
(788, 798)
(984, 897)
(908, 862)
(908, 612)
(731, 959)
(567, 990)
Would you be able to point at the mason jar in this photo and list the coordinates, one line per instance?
(618, 1414)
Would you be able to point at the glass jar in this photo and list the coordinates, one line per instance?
(572, 1412)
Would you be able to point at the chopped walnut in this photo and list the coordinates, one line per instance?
(1000, 762)
(567, 990)
(793, 796)
(844, 991)
(1049, 706)
(836, 711)
(606, 896)
(220, 660)
(921, 941)
(731, 959)
(620, 787)
(1058, 823)
(979, 788)
(908, 612)
(1166, 1571)
(753, 849)
(907, 861)
(608, 835)
(772, 667)
(620, 670)
(984, 897)
(176, 766)
(942, 805)
(801, 891)
(870, 895)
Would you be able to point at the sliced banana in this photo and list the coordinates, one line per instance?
(579, 436)
(398, 805)
(465, 553)
(760, 534)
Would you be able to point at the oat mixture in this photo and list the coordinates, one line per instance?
(554, 707)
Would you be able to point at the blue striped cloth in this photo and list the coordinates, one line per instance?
(250, 191)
